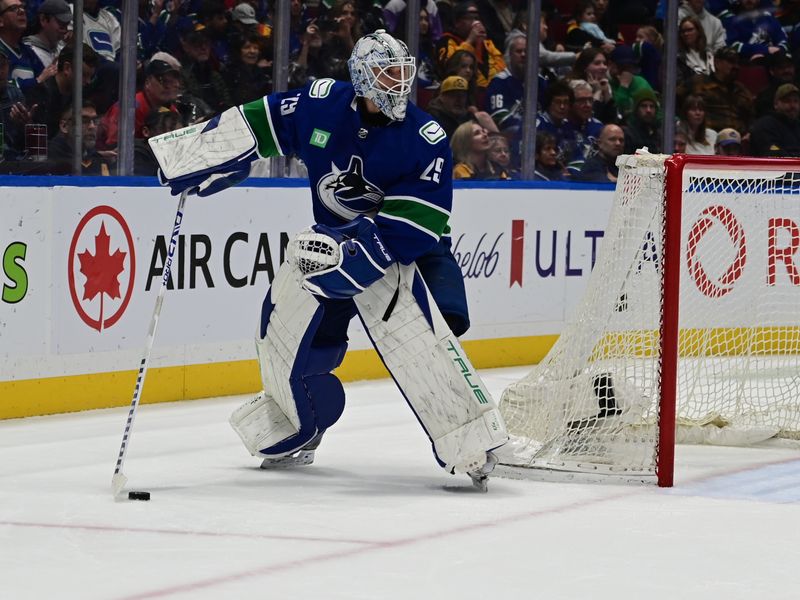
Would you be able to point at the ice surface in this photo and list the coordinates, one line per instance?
(374, 517)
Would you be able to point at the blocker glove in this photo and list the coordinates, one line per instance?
(363, 259)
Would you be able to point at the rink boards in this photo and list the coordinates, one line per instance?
(82, 265)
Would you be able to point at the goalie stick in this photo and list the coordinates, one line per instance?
(119, 480)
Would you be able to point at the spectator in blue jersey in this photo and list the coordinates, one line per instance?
(152, 27)
(554, 119)
(581, 116)
(754, 33)
(23, 64)
(601, 167)
(14, 114)
(548, 167)
(506, 93)
(53, 17)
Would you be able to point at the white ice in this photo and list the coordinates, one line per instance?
(374, 517)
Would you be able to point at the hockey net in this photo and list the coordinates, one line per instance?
(689, 327)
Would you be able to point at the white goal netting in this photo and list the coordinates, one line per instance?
(594, 403)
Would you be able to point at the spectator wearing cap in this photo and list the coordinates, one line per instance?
(713, 29)
(53, 18)
(450, 107)
(200, 73)
(162, 84)
(52, 96)
(602, 167)
(781, 69)
(754, 33)
(778, 133)
(728, 102)
(468, 33)
(729, 143)
(643, 129)
(243, 22)
(23, 64)
(625, 81)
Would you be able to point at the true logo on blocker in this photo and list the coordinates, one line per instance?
(101, 267)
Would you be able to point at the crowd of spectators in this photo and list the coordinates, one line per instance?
(599, 90)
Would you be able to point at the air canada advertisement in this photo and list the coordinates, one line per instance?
(93, 278)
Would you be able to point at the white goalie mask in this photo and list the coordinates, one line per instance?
(382, 70)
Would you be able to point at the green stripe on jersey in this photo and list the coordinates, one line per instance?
(256, 115)
(423, 215)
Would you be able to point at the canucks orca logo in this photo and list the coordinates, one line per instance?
(347, 193)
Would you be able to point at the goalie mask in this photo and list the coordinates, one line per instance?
(382, 70)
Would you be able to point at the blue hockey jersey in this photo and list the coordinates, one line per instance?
(400, 174)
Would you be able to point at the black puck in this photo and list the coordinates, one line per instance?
(138, 495)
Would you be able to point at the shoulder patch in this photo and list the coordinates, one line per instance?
(432, 132)
(320, 88)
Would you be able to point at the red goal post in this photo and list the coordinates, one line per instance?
(678, 329)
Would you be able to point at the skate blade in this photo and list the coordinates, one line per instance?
(480, 482)
(301, 459)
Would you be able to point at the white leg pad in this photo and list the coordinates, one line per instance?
(431, 369)
(260, 423)
(272, 416)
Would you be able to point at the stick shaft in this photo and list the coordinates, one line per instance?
(119, 479)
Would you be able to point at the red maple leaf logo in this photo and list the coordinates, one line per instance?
(101, 269)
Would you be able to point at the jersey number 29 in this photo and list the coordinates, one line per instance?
(433, 171)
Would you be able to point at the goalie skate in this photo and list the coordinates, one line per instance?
(480, 477)
(299, 458)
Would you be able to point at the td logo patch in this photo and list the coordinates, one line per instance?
(319, 138)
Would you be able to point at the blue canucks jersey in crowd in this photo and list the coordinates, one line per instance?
(399, 173)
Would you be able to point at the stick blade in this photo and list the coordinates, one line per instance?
(117, 483)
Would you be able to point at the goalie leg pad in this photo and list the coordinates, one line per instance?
(431, 369)
(295, 372)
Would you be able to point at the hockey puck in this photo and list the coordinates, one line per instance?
(138, 495)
